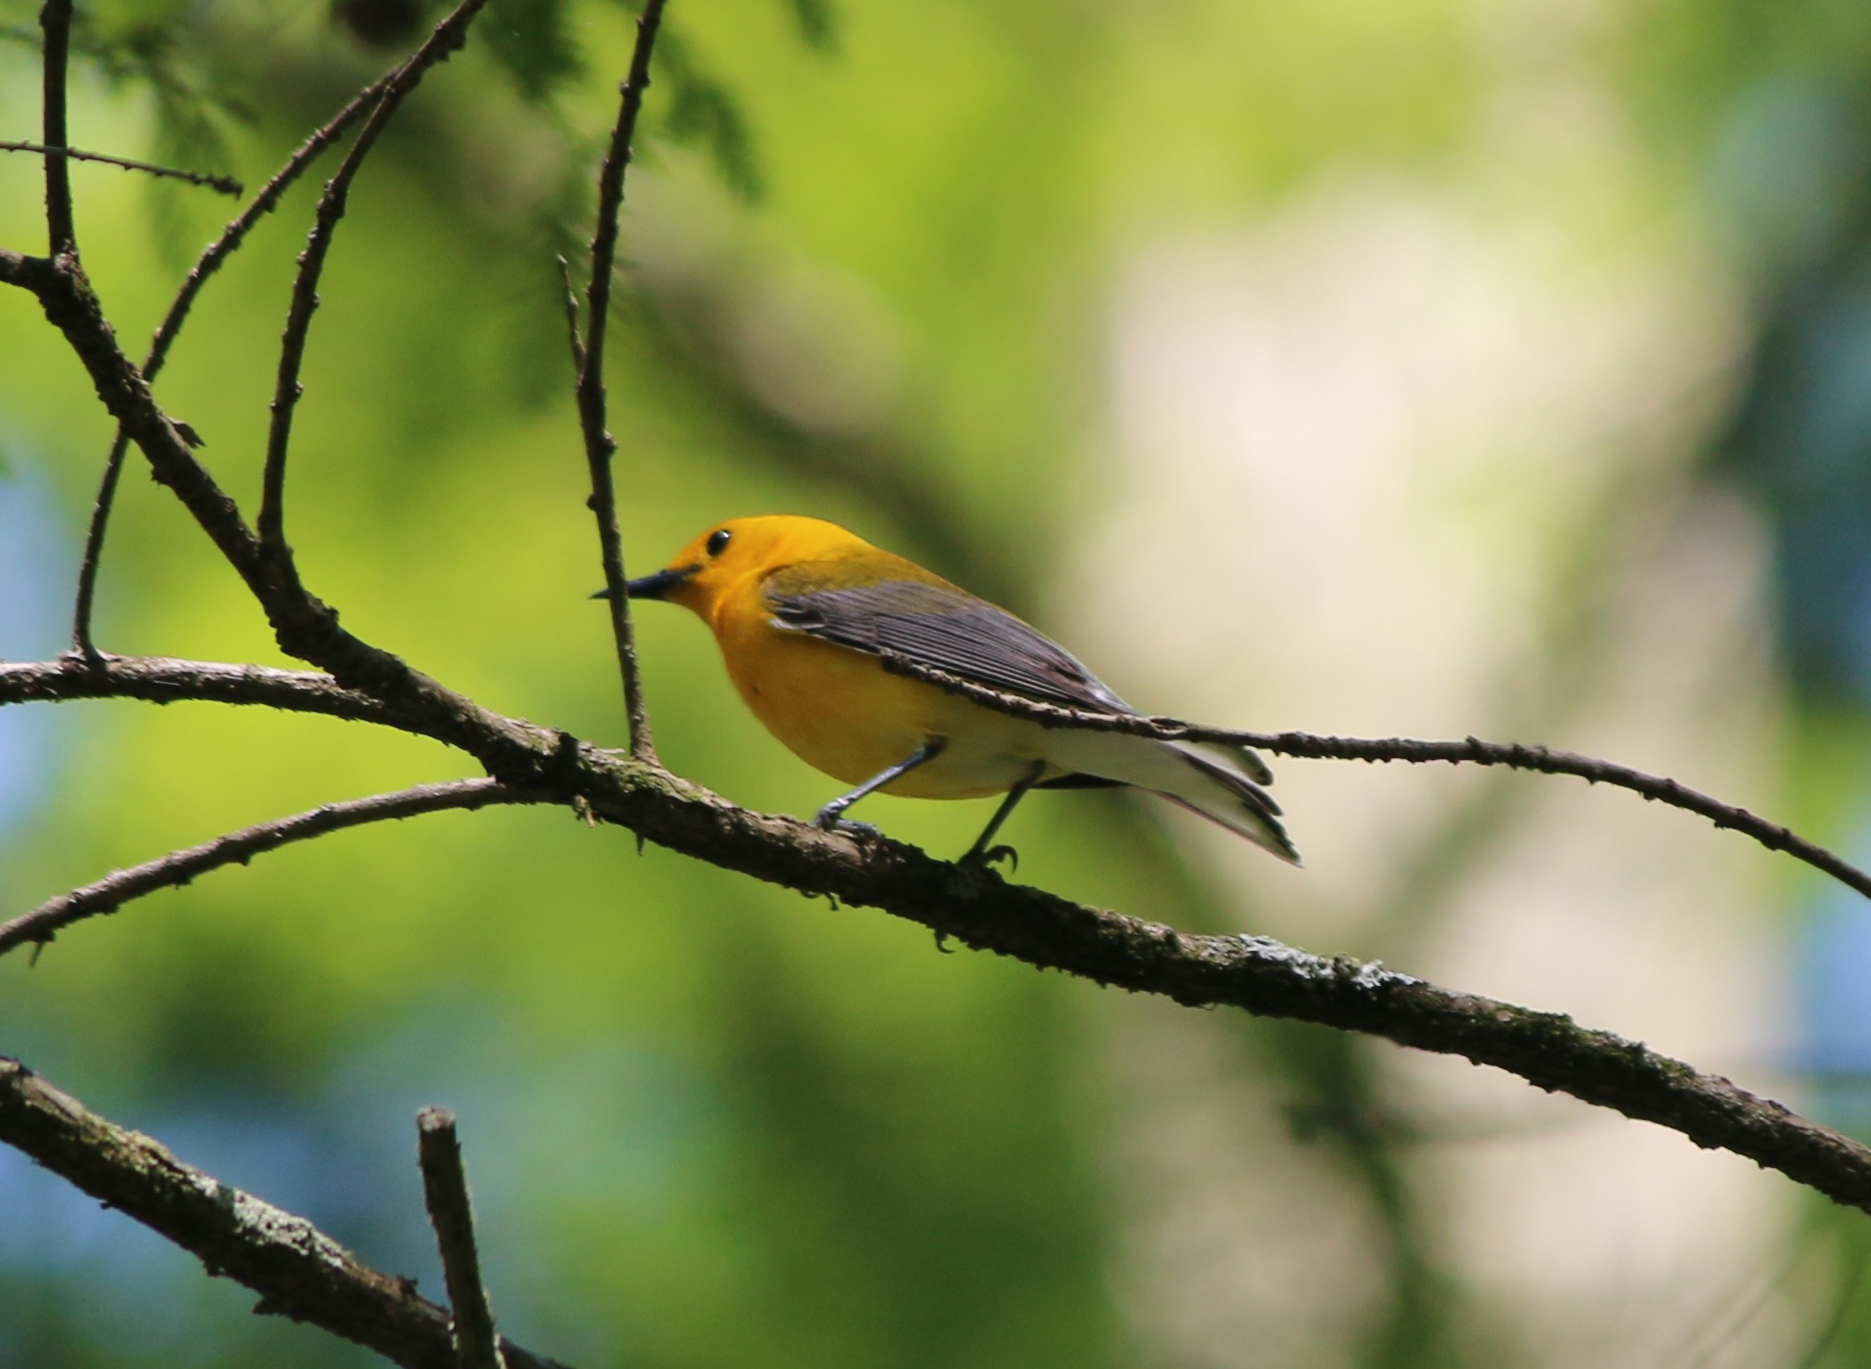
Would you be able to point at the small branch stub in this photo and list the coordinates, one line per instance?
(451, 1213)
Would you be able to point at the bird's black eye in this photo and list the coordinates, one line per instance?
(718, 541)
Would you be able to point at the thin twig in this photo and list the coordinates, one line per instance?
(86, 597)
(600, 446)
(448, 37)
(237, 848)
(451, 1213)
(1544, 760)
(205, 266)
(61, 231)
(227, 185)
(1469, 751)
(298, 1271)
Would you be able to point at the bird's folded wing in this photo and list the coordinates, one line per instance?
(942, 627)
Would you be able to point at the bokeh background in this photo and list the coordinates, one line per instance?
(1429, 368)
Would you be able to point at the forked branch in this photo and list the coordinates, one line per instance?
(447, 38)
(298, 1271)
(205, 267)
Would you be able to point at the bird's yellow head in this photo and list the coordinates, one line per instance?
(718, 564)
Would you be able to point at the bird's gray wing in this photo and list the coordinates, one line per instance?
(942, 627)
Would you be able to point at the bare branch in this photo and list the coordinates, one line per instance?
(61, 231)
(205, 266)
(600, 446)
(1469, 751)
(71, 307)
(302, 625)
(163, 679)
(238, 848)
(976, 907)
(227, 185)
(298, 1271)
(448, 37)
(1269, 979)
(451, 1213)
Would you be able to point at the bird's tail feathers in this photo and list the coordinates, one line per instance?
(1199, 781)
(1250, 761)
(1241, 805)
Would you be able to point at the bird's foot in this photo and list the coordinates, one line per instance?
(986, 857)
(829, 821)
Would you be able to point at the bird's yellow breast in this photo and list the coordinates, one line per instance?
(841, 712)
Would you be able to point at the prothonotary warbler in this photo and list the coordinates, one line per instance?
(804, 612)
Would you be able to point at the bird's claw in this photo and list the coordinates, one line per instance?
(985, 858)
(831, 822)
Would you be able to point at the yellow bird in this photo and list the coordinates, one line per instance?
(804, 612)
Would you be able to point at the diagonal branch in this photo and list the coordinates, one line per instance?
(448, 38)
(298, 1271)
(205, 266)
(1469, 751)
(600, 446)
(977, 907)
(302, 625)
(61, 231)
(1266, 978)
(238, 848)
(226, 185)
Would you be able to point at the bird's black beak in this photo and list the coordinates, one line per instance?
(655, 586)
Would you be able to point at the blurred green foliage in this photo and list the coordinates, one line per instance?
(708, 1122)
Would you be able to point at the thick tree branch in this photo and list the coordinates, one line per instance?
(1258, 975)
(445, 1193)
(237, 848)
(447, 38)
(205, 266)
(1468, 751)
(298, 1271)
(600, 446)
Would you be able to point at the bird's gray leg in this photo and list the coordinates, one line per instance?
(983, 854)
(830, 815)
